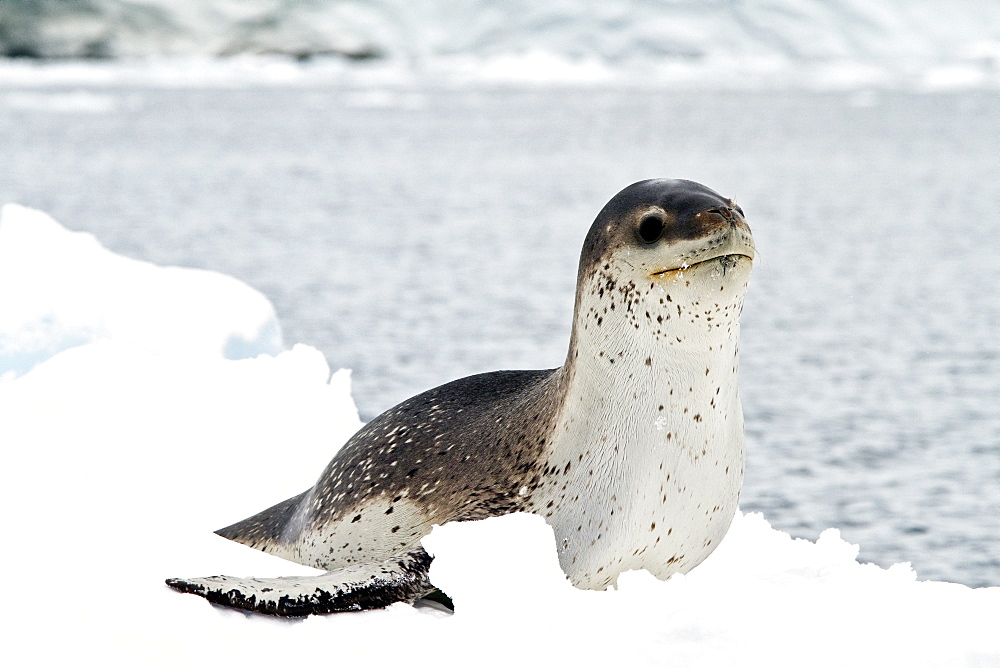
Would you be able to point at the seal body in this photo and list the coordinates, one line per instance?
(632, 450)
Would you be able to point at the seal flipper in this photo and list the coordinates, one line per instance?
(403, 578)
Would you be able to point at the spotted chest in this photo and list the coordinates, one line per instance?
(647, 456)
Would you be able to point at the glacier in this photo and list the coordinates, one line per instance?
(779, 42)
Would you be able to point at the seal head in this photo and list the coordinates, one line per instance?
(682, 221)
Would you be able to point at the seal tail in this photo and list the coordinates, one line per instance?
(273, 530)
(402, 578)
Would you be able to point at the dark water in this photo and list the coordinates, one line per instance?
(418, 235)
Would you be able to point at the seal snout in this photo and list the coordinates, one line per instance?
(716, 233)
(721, 218)
(726, 227)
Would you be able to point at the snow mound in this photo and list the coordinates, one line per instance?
(60, 289)
(123, 452)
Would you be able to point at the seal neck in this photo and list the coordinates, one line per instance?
(677, 323)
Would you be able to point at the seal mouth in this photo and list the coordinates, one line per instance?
(728, 261)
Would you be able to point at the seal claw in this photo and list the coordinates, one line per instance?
(184, 586)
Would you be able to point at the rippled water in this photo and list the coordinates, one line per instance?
(417, 235)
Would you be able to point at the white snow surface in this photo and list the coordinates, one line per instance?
(122, 454)
(61, 289)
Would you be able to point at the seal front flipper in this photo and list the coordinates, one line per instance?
(403, 578)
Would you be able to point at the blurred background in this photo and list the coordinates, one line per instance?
(410, 183)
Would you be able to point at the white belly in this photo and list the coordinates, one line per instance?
(646, 465)
(660, 503)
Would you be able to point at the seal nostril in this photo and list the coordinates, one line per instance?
(725, 212)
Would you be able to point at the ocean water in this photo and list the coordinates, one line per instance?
(416, 234)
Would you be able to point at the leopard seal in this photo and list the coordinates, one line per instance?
(632, 450)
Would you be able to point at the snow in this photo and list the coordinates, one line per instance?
(761, 599)
(59, 290)
(130, 437)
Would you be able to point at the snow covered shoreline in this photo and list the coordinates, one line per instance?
(804, 43)
(534, 67)
(133, 428)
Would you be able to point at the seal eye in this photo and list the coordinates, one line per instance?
(650, 229)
